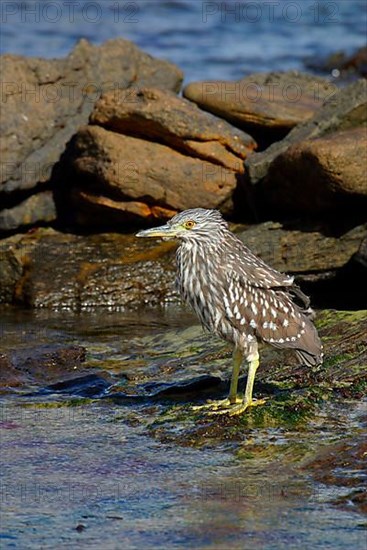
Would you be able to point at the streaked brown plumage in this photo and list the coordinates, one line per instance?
(237, 296)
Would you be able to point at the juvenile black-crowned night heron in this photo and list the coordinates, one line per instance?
(238, 297)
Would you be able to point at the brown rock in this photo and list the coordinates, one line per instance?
(320, 175)
(162, 116)
(102, 270)
(156, 179)
(11, 267)
(344, 110)
(361, 256)
(115, 270)
(44, 102)
(110, 212)
(40, 364)
(264, 101)
(302, 250)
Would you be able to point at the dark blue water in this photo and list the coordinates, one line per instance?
(206, 39)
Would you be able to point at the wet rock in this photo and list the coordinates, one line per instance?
(115, 271)
(161, 391)
(37, 365)
(11, 268)
(344, 465)
(178, 362)
(107, 270)
(344, 111)
(267, 103)
(46, 101)
(295, 394)
(128, 169)
(90, 385)
(36, 208)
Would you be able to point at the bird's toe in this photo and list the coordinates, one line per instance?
(217, 407)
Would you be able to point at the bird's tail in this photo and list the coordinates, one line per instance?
(309, 347)
(308, 359)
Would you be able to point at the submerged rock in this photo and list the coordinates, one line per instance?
(344, 465)
(38, 365)
(295, 393)
(150, 374)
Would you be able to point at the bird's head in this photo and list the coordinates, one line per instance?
(194, 224)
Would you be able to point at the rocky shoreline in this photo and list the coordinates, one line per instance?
(104, 144)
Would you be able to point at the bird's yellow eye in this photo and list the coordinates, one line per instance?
(189, 224)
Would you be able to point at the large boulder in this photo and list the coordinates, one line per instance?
(345, 109)
(319, 167)
(49, 269)
(148, 154)
(269, 104)
(320, 175)
(45, 102)
(161, 116)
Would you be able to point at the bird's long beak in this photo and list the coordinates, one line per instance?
(165, 231)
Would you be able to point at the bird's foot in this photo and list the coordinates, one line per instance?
(225, 406)
(219, 405)
(242, 407)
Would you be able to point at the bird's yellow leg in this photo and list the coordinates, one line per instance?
(248, 401)
(233, 405)
(225, 405)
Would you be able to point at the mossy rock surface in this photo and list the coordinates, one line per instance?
(294, 393)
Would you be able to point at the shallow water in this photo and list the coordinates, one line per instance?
(88, 476)
(64, 468)
(219, 40)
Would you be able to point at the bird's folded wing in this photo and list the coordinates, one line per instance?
(243, 265)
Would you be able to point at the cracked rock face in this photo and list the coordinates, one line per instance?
(147, 154)
(46, 101)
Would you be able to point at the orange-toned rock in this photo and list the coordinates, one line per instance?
(344, 110)
(148, 154)
(161, 116)
(264, 101)
(111, 170)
